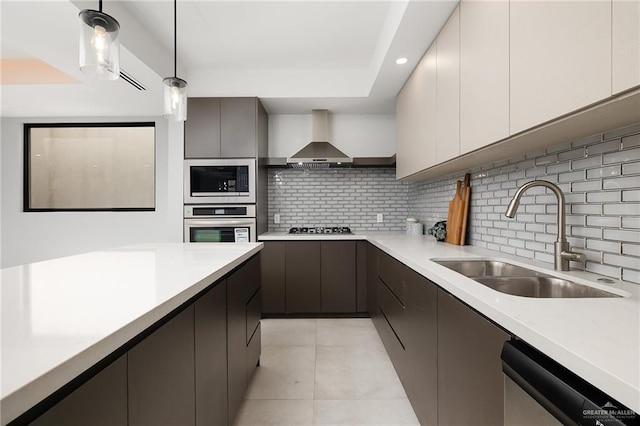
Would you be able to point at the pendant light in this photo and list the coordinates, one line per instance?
(99, 44)
(175, 89)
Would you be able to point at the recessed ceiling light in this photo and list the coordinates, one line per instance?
(401, 61)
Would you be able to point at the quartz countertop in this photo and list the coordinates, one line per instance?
(597, 339)
(61, 316)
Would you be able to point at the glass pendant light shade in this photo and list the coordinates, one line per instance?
(99, 45)
(175, 98)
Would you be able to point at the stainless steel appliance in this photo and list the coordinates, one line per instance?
(539, 391)
(220, 181)
(220, 223)
(321, 230)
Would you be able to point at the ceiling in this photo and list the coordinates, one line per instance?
(296, 55)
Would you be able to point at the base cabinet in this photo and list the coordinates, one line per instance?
(191, 370)
(102, 401)
(211, 357)
(161, 390)
(470, 379)
(446, 355)
(314, 277)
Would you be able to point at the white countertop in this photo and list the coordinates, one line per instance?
(61, 316)
(597, 339)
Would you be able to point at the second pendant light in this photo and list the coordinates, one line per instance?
(175, 89)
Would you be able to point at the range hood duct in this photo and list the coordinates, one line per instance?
(319, 153)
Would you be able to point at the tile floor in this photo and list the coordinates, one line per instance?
(324, 372)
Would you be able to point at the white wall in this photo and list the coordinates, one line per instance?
(357, 135)
(33, 236)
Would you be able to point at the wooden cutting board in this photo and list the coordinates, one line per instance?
(466, 196)
(454, 218)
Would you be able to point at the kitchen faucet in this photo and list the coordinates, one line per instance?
(561, 254)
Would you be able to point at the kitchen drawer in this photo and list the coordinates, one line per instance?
(391, 272)
(254, 313)
(252, 275)
(254, 349)
(393, 346)
(393, 310)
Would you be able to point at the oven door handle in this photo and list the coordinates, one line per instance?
(219, 222)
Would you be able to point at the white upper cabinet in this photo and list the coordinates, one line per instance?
(416, 118)
(448, 89)
(560, 58)
(626, 44)
(484, 73)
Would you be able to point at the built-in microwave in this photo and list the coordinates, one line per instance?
(219, 181)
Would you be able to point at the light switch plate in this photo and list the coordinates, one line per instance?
(276, 218)
(379, 218)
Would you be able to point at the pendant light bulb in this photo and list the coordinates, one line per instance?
(175, 89)
(175, 98)
(99, 45)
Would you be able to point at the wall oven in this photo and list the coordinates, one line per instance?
(220, 181)
(220, 223)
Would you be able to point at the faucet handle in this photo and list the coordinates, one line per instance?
(573, 256)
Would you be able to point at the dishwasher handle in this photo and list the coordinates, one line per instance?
(566, 396)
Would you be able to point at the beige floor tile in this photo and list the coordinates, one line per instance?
(285, 372)
(355, 372)
(288, 332)
(348, 332)
(369, 412)
(275, 412)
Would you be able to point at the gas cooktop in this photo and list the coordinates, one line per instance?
(321, 230)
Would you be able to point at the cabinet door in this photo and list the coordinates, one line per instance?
(237, 377)
(161, 375)
(448, 90)
(626, 44)
(273, 277)
(102, 401)
(416, 118)
(303, 276)
(560, 58)
(391, 272)
(484, 73)
(470, 379)
(372, 280)
(421, 345)
(238, 124)
(338, 276)
(211, 356)
(361, 276)
(202, 128)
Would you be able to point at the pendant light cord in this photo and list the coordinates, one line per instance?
(99, 5)
(175, 38)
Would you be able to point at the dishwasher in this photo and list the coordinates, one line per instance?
(539, 391)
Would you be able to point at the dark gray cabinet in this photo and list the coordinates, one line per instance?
(161, 378)
(421, 349)
(243, 331)
(211, 357)
(302, 275)
(311, 277)
(102, 401)
(372, 280)
(272, 269)
(193, 369)
(225, 128)
(202, 128)
(470, 379)
(338, 276)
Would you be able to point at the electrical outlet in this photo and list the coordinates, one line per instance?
(379, 218)
(276, 218)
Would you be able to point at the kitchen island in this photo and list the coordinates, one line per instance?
(63, 316)
(597, 339)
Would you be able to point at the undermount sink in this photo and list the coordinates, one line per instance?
(520, 281)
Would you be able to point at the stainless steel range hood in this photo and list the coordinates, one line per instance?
(319, 153)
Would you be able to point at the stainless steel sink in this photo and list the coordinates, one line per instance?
(488, 268)
(519, 281)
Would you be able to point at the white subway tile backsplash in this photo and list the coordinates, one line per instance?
(598, 174)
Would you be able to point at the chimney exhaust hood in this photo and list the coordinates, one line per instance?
(319, 153)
